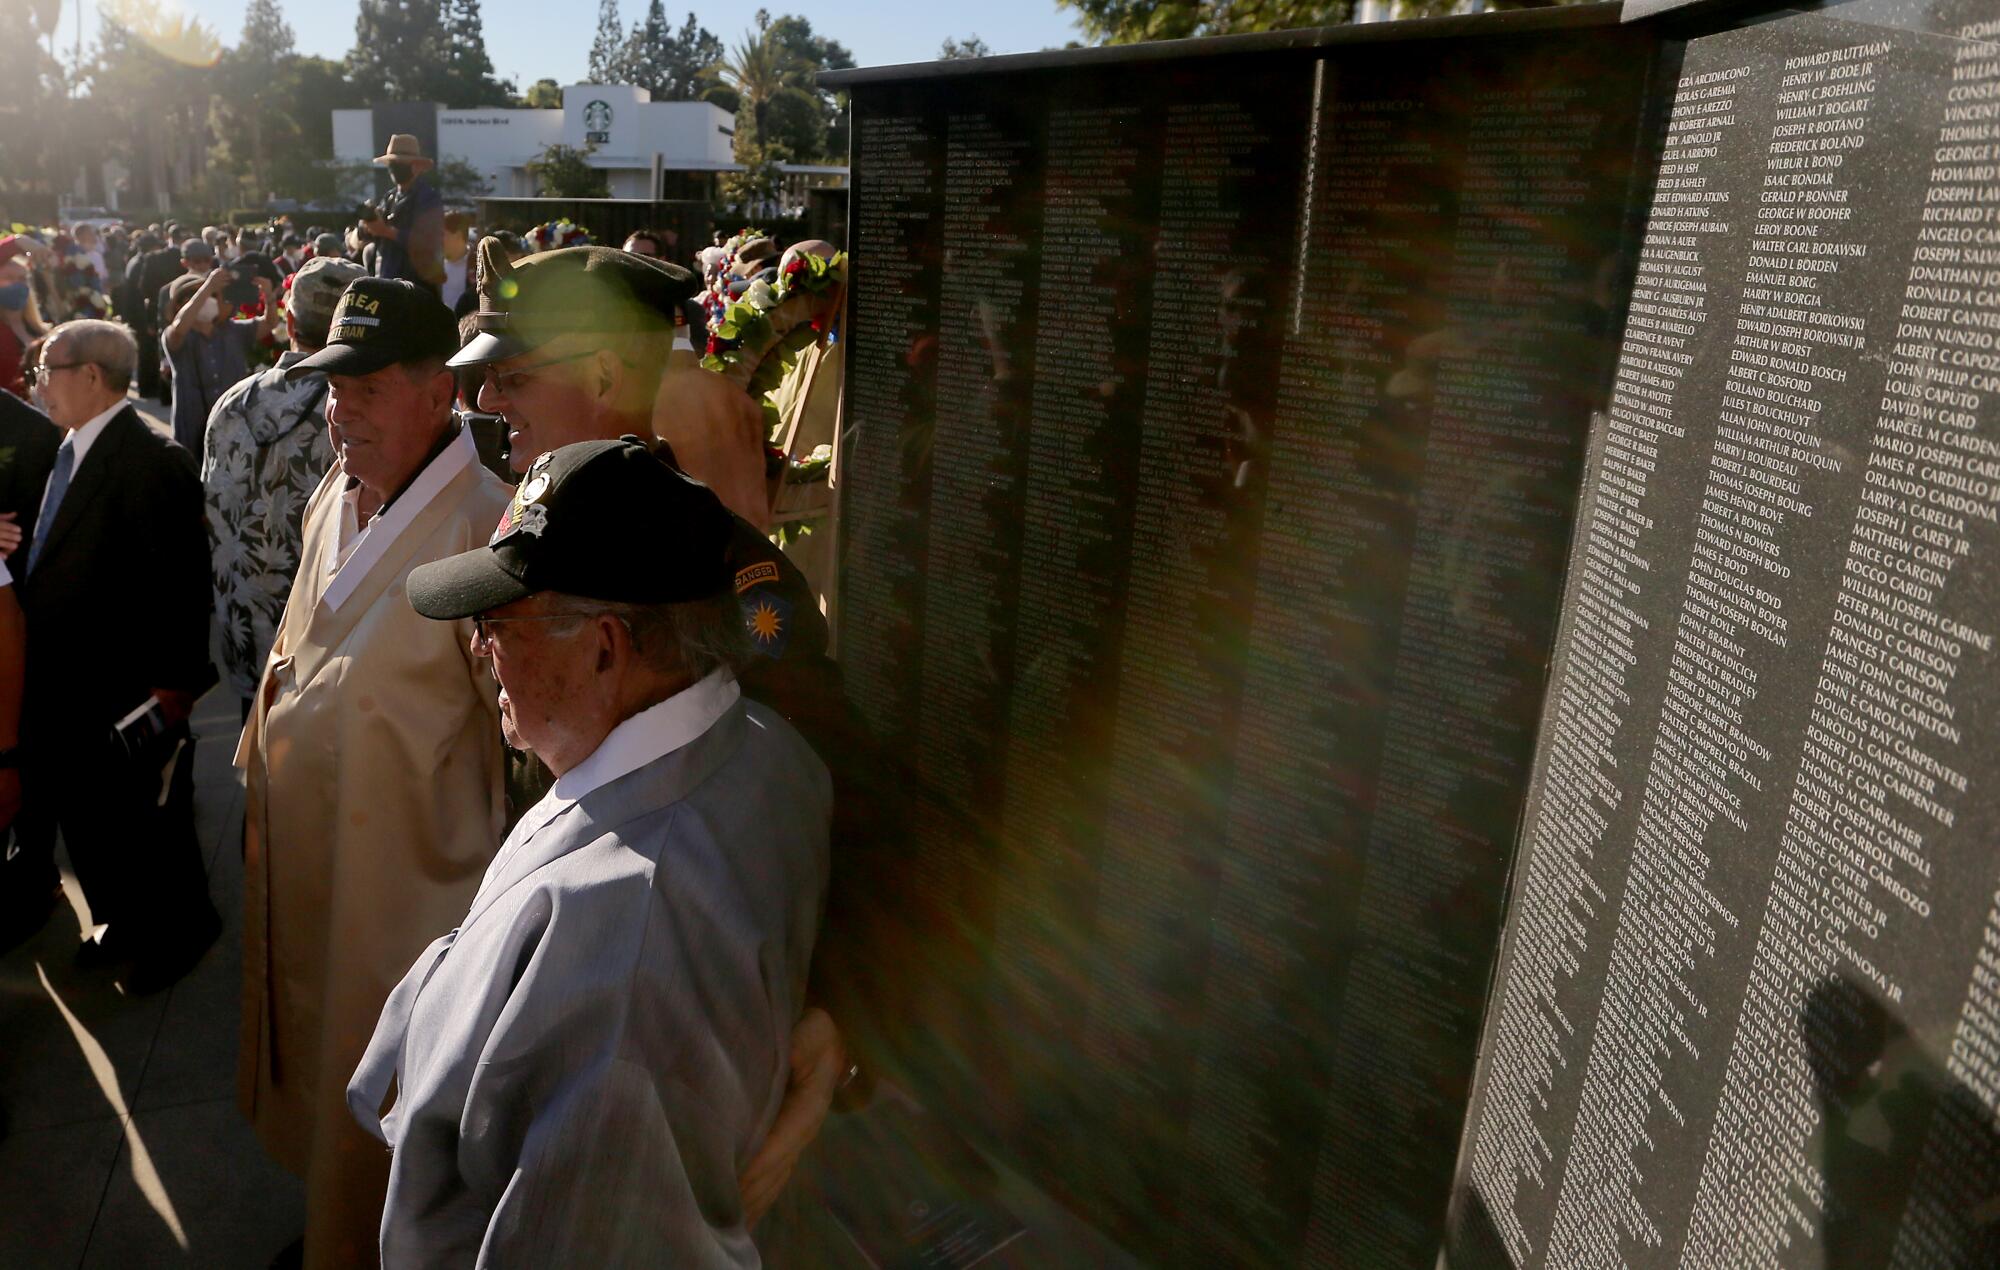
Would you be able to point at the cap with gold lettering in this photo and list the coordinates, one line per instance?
(382, 322)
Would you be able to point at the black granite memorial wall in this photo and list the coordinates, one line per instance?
(1279, 481)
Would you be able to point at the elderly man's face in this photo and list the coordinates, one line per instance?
(547, 668)
(72, 390)
(545, 399)
(385, 424)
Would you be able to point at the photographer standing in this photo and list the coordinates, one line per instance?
(409, 229)
(210, 351)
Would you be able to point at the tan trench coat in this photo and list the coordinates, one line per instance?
(373, 769)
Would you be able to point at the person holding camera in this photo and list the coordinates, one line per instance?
(408, 229)
(209, 350)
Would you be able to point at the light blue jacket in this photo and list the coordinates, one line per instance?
(584, 1066)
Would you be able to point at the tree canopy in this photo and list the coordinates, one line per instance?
(1133, 21)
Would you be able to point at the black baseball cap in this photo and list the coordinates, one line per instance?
(574, 291)
(587, 520)
(382, 322)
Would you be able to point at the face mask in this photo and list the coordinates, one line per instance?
(14, 296)
(207, 310)
(295, 255)
(402, 173)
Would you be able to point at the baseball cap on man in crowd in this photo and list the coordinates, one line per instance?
(382, 322)
(316, 292)
(584, 522)
(328, 244)
(197, 249)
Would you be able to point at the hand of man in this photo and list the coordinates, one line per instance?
(10, 796)
(819, 1059)
(10, 533)
(379, 227)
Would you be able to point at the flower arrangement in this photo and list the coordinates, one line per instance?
(760, 334)
(551, 235)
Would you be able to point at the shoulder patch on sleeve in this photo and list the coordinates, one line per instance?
(768, 619)
(753, 574)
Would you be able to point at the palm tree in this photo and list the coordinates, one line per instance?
(758, 69)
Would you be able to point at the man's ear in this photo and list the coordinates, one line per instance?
(444, 385)
(609, 631)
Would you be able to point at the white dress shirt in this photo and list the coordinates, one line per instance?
(352, 552)
(653, 733)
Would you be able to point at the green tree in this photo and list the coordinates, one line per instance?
(758, 182)
(810, 54)
(543, 94)
(1133, 21)
(758, 68)
(253, 71)
(401, 51)
(459, 182)
(152, 75)
(795, 127)
(468, 69)
(562, 171)
(671, 65)
(35, 87)
(607, 50)
(955, 50)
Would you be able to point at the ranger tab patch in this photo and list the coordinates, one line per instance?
(750, 575)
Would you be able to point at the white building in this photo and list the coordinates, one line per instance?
(646, 148)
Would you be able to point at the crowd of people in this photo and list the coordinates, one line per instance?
(556, 815)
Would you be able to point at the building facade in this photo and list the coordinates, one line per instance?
(647, 149)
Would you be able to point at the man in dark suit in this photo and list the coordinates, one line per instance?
(151, 269)
(28, 441)
(116, 592)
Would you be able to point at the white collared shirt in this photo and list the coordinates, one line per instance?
(348, 559)
(79, 443)
(348, 531)
(653, 733)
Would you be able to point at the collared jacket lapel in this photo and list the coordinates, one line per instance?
(89, 479)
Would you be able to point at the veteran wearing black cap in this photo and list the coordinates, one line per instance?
(573, 346)
(372, 752)
(581, 1063)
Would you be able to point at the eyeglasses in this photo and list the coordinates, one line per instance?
(511, 381)
(40, 373)
(482, 639)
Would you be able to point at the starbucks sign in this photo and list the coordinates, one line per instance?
(597, 123)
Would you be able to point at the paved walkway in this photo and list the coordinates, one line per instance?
(123, 1145)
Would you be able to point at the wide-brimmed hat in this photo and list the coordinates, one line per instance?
(403, 148)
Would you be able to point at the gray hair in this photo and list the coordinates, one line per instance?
(693, 638)
(109, 346)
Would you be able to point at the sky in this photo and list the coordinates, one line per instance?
(533, 39)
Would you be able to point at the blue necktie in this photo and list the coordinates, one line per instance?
(58, 486)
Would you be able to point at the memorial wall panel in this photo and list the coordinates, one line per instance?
(1744, 1012)
(1211, 458)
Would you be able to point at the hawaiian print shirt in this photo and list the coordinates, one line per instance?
(264, 454)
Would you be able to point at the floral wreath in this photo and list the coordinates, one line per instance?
(554, 234)
(717, 294)
(760, 335)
